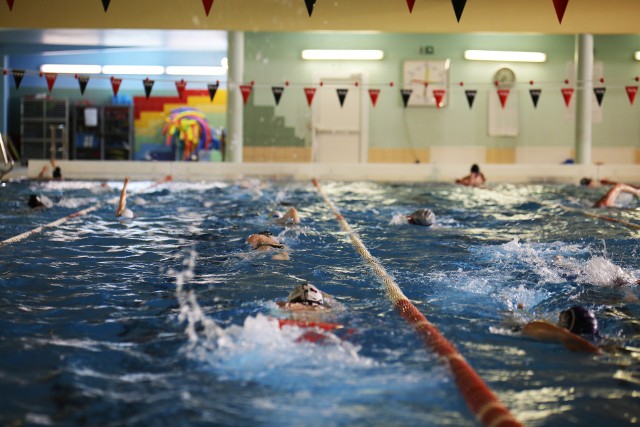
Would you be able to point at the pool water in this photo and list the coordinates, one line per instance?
(168, 319)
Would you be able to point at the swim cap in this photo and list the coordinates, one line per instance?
(306, 294)
(34, 202)
(579, 320)
(585, 181)
(422, 217)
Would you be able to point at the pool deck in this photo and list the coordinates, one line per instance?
(382, 172)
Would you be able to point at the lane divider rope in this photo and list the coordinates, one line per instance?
(484, 404)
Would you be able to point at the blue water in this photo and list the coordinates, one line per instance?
(167, 319)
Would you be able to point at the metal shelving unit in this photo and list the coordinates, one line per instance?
(43, 128)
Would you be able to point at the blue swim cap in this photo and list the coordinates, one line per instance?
(579, 320)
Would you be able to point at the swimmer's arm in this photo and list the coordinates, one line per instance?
(546, 331)
(123, 198)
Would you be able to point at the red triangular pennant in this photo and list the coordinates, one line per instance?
(181, 86)
(458, 7)
(535, 96)
(410, 3)
(310, 5)
(503, 94)
(438, 94)
(373, 94)
(471, 96)
(207, 6)
(599, 93)
(406, 93)
(277, 93)
(10, 3)
(342, 94)
(246, 91)
(82, 81)
(17, 77)
(560, 6)
(51, 80)
(309, 93)
(632, 91)
(105, 4)
(115, 85)
(148, 86)
(567, 93)
(213, 88)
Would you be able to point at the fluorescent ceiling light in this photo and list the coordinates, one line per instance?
(149, 70)
(342, 54)
(70, 69)
(176, 70)
(505, 56)
(637, 55)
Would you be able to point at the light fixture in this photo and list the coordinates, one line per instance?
(342, 54)
(504, 55)
(149, 70)
(636, 56)
(70, 69)
(177, 70)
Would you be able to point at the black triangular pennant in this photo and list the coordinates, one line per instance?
(310, 5)
(599, 92)
(406, 93)
(82, 81)
(458, 7)
(148, 85)
(213, 88)
(105, 4)
(277, 93)
(535, 95)
(471, 96)
(342, 94)
(17, 77)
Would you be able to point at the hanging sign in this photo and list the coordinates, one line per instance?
(471, 96)
(567, 93)
(342, 94)
(51, 79)
(181, 86)
(503, 94)
(438, 94)
(148, 86)
(115, 85)
(406, 94)
(458, 7)
(560, 6)
(246, 91)
(410, 3)
(82, 81)
(277, 93)
(207, 6)
(535, 96)
(599, 93)
(10, 3)
(373, 94)
(105, 4)
(309, 93)
(17, 77)
(632, 91)
(310, 5)
(213, 88)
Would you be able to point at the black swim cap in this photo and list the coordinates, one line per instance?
(57, 173)
(34, 202)
(424, 217)
(475, 169)
(585, 181)
(579, 320)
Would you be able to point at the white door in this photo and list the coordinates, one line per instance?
(337, 130)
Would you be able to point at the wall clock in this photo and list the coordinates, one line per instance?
(505, 77)
(418, 72)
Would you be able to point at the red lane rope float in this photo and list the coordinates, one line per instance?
(484, 404)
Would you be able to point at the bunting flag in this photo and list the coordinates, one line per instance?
(503, 94)
(567, 93)
(148, 86)
(105, 4)
(309, 93)
(51, 80)
(342, 94)
(115, 85)
(373, 94)
(535, 96)
(438, 94)
(471, 96)
(82, 81)
(599, 93)
(10, 3)
(458, 7)
(410, 3)
(181, 86)
(406, 93)
(207, 6)
(310, 5)
(560, 6)
(632, 91)
(17, 77)
(213, 88)
(277, 93)
(246, 91)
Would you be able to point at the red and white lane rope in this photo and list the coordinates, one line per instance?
(485, 405)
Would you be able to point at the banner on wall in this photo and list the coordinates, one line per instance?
(632, 91)
(535, 96)
(406, 94)
(83, 81)
(310, 5)
(148, 86)
(373, 94)
(503, 94)
(212, 88)
(309, 92)
(17, 77)
(277, 93)
(599, 93)
(51, 80)
(246, 91)
(471, 96)
(181, 86)
(115, 85)
(560, 6)
(458, 7)
(567, 93)
(342, 94)
(207, 6)
(105, 4)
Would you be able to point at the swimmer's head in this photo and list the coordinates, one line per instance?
(475, 169)
(57, 173)
(265, 233)
(306, 294)
(34, 202)
(424, 217)
(585, 181)
(579, 320)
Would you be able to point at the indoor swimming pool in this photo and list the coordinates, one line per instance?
(170, 319)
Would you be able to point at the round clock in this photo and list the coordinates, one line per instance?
(504, 77)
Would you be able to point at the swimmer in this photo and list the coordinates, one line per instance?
(424, 217)
(593, 183)
(609, 199)
(122, 210)
(306, 297)
(290, 217)
(574, 325)
(264, 241)
(474, 179)
(39, 202)
(57, 172)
